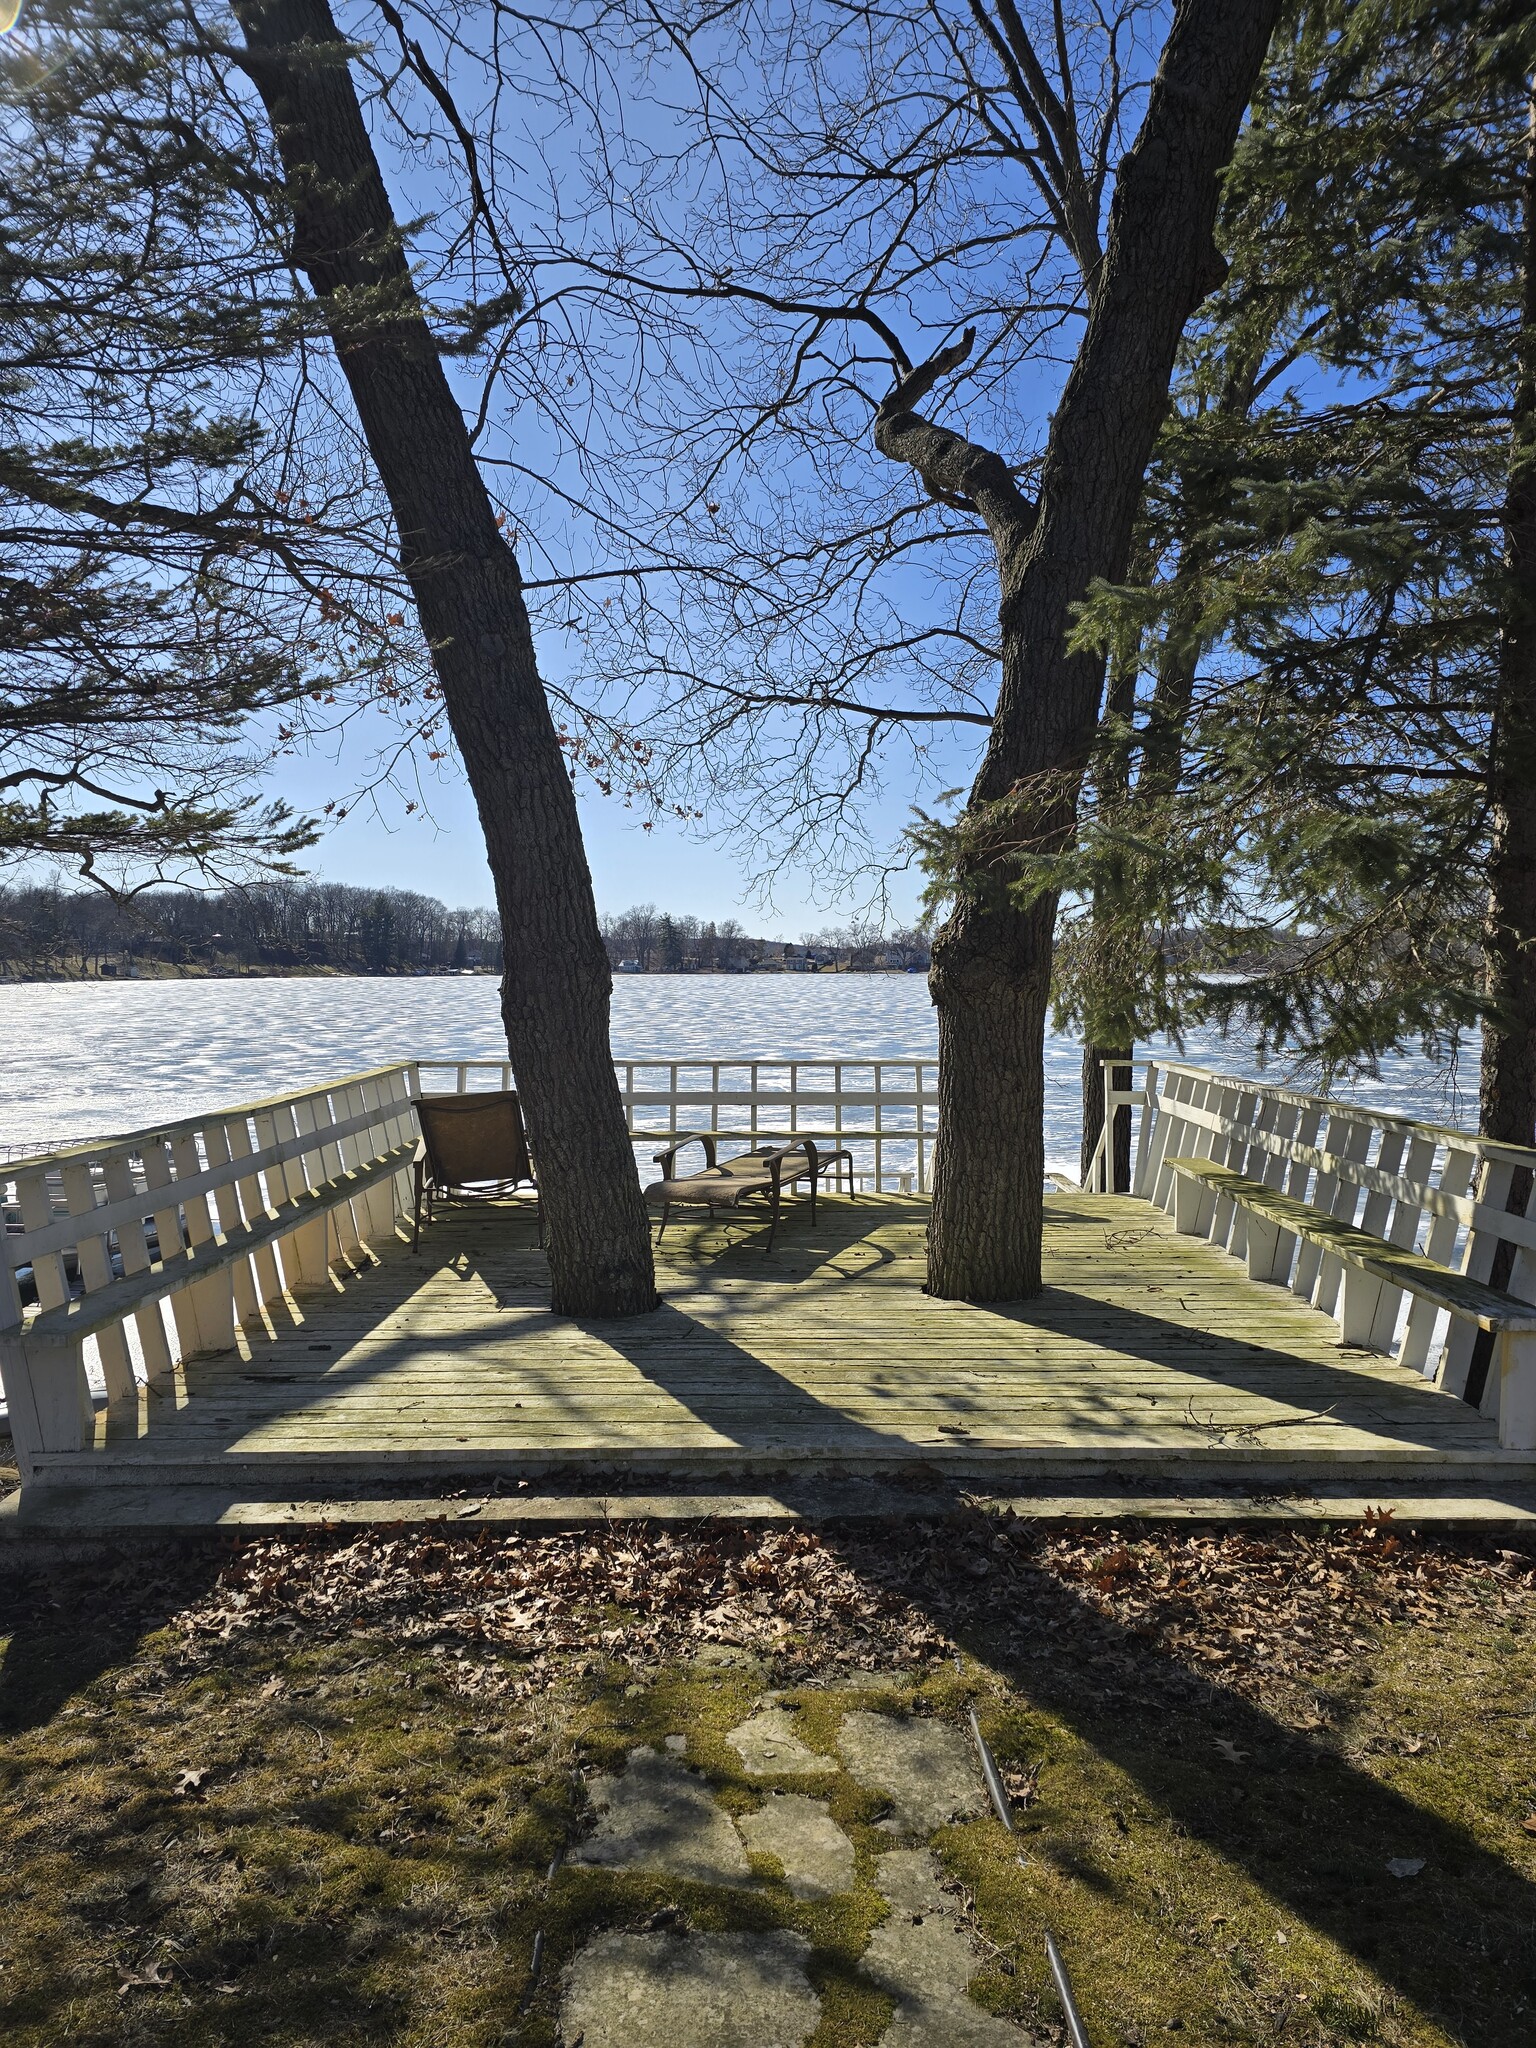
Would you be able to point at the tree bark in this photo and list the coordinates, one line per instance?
(468, 589)
(1508, 1106)
(992, 960)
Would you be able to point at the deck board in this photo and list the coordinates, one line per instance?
(1148, 1352)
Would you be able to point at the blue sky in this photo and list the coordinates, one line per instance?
(442, 854)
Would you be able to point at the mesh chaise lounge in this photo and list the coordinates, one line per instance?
(766, 1170)
(472, 1147)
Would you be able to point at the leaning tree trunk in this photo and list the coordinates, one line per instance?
(992, 960)
(1509, 1030)
(468, 590)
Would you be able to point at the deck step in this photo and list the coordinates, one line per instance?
(65, 1512)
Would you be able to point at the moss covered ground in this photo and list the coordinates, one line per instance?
(1268, 1788)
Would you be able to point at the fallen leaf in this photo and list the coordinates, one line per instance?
(153, 1977)
(1022, 1784)
(1230, 1751)
(189, 1781)
(1529, 1823)
(1405, 1866)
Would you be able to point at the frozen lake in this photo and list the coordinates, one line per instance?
(82, 1059)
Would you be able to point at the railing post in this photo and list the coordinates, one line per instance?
(1142, 1166)
(1477, 1256)
(52, 1410)
(1440, 1245)
(96, 1271)
(1514, 1376)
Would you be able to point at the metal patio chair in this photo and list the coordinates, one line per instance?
(473, 1148)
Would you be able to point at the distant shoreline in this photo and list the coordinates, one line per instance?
(161, 970)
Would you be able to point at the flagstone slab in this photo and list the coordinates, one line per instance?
(926, 1769)
(817, 1856)
(691, 1991)
(922, 1955)
(657, 1815)
(770, 1746)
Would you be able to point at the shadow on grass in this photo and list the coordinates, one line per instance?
(1304, 1824)
(64, 1623)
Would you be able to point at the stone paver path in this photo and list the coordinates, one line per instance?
(671, 1990)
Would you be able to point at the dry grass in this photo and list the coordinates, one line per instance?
(379, 1746)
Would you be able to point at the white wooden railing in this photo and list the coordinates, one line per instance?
(1099, 1179)
(218, 1215)
(883, 1110)
(1434, 1190)
(221, 1214)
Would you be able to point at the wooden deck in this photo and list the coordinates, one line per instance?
(1151, 1360)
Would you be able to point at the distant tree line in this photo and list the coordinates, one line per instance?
(288, 925)
(646, 940)
(269, 927)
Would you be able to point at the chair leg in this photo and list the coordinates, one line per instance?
(813, 1198)
(773, 1226)
(666, 1211)
(416, 1229)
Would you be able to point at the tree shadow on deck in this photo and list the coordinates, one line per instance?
(731, 1392)
(1402, 1408)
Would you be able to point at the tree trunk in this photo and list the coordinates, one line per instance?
(468, 589)
(1508, 1107)
(992, 960)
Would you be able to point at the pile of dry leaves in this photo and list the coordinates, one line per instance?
(1237, 1606)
